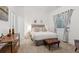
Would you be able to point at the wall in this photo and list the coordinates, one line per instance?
(29, 19)
(74, 28)
(4, 26)
(38, 13)
(20, 26)
(50, 23)
(16, 19)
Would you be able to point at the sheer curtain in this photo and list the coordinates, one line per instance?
(68, 15)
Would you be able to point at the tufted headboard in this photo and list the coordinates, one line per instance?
(38, 27)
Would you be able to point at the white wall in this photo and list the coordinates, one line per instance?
(38, 13)
(4, 26)
(20, 26)
(15, 18)
(50, 23)
(74, 26)
(29, 19)
(16, 15)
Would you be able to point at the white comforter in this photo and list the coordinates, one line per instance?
(43, 35)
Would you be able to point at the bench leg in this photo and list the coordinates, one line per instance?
(49, 47)
(75, 49)
(58, 45)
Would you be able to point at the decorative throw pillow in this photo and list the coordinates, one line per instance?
(44, 29)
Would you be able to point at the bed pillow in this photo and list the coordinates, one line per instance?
(44, 29)
(37, 29)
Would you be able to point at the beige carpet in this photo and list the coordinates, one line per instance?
(27, 46)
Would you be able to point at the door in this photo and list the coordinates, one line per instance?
(62, 24)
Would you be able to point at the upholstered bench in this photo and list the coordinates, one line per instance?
(50, 42)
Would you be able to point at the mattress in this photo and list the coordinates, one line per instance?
(42, 35)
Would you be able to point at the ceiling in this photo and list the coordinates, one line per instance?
(39, 9)
(34, 10)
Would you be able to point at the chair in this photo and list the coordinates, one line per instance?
(76, 45)
(2, 47)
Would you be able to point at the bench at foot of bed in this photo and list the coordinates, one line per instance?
(39, 42)
(51, 42)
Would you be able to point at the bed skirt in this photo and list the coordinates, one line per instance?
(41, 42)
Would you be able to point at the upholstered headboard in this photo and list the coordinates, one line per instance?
(38, 27)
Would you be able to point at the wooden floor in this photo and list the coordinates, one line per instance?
(27, 46)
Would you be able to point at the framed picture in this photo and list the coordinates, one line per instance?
(4, 13)
(35, 21)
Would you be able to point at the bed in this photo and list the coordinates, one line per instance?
(39, 33)
(43, 35)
